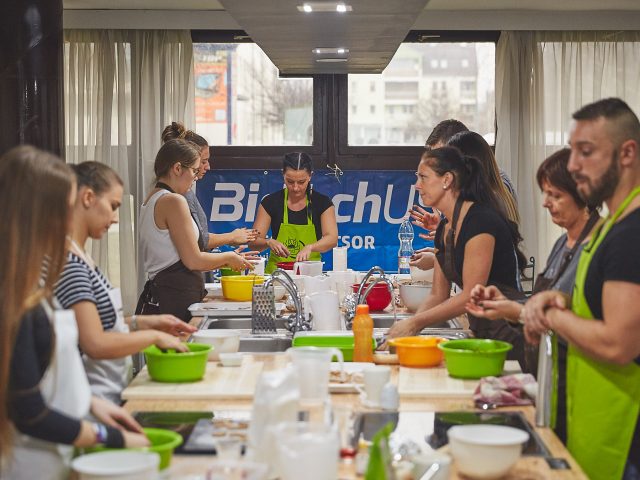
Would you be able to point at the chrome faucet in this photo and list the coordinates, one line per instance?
(353, 300)
(298, 322)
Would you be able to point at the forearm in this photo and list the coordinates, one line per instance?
(325, 244)
(441, 311)
(111, 345)
(260, 244)
(593, 337)
(205, 261)
(219, 239)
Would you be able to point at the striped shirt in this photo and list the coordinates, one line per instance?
(79, 283)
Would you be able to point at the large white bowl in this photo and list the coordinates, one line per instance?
(485, 451)
(413, 295)
(223, 341)
(418, 275)
(120, 465)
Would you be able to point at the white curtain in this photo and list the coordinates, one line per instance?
(543, 77)
(121, 88)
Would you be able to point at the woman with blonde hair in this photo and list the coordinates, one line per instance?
(44, 393)
(169, 237)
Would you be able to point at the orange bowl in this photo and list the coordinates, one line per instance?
(418, 351)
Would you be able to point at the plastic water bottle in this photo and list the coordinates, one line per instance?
(405, 235)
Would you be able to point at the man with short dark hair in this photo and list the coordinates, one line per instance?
(603, 325)
(443, 131)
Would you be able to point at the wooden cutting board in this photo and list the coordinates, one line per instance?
(218, 383)
(436, 382)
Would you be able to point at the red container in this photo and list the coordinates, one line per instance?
(379, 297)
(285, 265)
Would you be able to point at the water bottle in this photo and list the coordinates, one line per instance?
(405, 235)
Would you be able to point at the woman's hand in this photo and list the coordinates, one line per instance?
(304, 254)
(402, 328)
(135, 440)
(424, 259)
(278, 248)
(165, 323)
(424, 219)
(535, 322)
(114, 416)
(164, 341)
(490, 303)
(243, 235)
(236, 261)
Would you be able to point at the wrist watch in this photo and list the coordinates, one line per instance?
(134, 323)
(101, 433)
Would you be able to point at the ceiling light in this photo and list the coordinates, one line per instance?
(330, 60)
(330, 51)
(340, 7)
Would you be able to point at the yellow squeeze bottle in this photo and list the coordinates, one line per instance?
(362, 335)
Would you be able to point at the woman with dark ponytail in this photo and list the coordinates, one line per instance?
(302, 221)
(476, 244)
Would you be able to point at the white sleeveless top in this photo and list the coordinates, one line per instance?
(157, 248)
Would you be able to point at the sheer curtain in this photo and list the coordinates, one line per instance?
(121, 88)
(543, 78)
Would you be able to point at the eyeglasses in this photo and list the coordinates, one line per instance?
(194, 170)
(421, 177)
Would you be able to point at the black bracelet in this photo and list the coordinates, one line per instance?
(115, 439)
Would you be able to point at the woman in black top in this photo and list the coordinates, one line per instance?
(302, 221)
(475, 244)
(43, 389)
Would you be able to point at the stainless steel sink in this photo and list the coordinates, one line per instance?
(265, 343)
(237, 323)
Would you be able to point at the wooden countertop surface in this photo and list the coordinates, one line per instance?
(527, 468)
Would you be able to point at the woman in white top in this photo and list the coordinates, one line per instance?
(105, 341)
(169, 237)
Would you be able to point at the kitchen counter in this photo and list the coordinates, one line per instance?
(526, 468)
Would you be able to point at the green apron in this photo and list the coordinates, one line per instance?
(294, 237)
(603, 399)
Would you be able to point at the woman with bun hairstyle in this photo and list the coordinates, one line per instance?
(476, 244)
(44, 393)
(302, 221)
(169, 237)
(206, 240)
(104, 333)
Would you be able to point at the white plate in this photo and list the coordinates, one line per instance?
(349, 367)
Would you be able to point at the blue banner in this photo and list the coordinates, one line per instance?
(370, 206)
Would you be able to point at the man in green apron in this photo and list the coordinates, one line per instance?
(302, 221)
(603, 325)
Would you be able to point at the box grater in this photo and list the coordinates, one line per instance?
(263, 310)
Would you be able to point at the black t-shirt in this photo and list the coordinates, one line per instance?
(479, 220)
(29, 361)
(616, 259)
(274, 205)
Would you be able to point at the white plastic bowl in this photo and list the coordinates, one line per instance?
(223, 341)
(418, 275)
(279, 292)
(231, 359)
(485, 451)
(413, 295)
(120, 465)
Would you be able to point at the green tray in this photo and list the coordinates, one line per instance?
(344, 343)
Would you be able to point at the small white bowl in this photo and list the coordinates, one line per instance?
(231, 359)
(222, 340)
(413, 295)
(486, 451)
(120, 465)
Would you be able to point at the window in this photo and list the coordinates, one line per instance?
(372, 108)
(425, 84)
(240, 100)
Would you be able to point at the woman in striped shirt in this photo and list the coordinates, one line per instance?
(104, 336)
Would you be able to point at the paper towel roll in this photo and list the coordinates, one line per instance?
(339, 258)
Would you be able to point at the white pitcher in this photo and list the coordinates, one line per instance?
(317, 284)
(309, 267)
(312, 365)
(325, 307)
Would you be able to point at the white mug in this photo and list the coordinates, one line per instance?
(258, 266)
(325, 307)
(375, 378)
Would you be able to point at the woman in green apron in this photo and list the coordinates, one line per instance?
(302, 221)
(603, 325)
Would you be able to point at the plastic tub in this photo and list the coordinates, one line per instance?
(475, 357)
(171, 366)
(163, 442)
(418, 351)
(341, 341)
(240, 287)
(379, 297)
(117, 464)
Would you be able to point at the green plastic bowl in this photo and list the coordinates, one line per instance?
(226, 272)
(344, 343)
(176, 367)
(475, 357)
(163, 442)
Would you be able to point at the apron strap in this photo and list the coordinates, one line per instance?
(449, 245)
(285, 213)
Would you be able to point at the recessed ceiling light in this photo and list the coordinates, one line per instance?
(330, 60)
(330, 51)
(340, 7)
